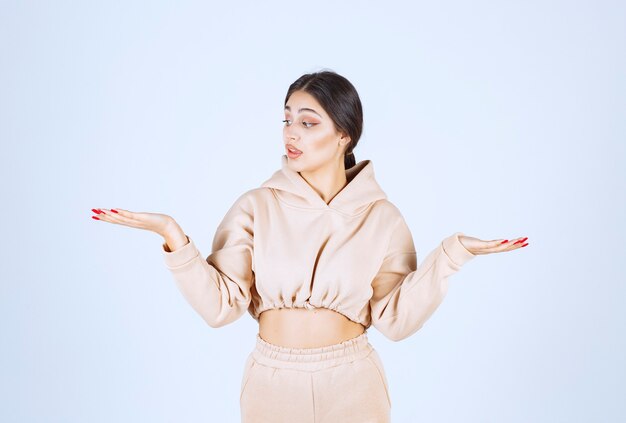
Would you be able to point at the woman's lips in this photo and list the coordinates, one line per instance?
(292, 154)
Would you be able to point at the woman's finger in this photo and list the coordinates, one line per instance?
(107, 215)
(124, 213)
(478, 246)
(512, 244)
(120, 218)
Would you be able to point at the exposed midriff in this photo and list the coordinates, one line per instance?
(306, 328)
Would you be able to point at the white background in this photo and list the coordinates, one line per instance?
(498, 119)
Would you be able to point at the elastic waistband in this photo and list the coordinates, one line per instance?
(311, 358)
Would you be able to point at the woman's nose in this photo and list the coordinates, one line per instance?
(290, 133)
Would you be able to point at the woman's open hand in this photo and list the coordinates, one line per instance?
(155, 222)
(478, 246)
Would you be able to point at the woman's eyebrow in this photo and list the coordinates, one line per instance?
(303, 108)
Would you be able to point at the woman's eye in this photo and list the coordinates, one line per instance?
(306, 124)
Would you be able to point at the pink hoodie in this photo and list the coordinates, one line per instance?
(281, 246)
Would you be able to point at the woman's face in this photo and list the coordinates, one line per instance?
(310, 130)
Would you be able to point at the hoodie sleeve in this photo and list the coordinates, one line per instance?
(405, 295)
(218, 287)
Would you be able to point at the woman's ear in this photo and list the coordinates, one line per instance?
(344, 141)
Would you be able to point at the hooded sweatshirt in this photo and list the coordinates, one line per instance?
(280, 245)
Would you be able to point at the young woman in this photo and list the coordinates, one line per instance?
(316, 254)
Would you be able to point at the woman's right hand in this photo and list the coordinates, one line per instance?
(161, 224)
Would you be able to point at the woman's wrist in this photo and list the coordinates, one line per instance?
(174, 236)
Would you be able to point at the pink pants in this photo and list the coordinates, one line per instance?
(344, 382)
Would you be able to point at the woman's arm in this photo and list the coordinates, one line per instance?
(218, 287)
(405, 295)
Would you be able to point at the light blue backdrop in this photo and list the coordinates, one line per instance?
(498, 119)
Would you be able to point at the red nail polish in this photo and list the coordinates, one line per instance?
(504, 242)
(525, 245)
(114, 211)
(94, 217)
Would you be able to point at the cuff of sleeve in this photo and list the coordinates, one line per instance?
(181, 256)
(457, 253)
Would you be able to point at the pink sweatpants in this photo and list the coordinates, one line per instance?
(344, 382)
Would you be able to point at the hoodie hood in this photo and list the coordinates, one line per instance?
(361, 190)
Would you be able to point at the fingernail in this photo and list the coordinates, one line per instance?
(94, 217)
(504, 242)
(524, 245)
(114, 211)
(95, 211)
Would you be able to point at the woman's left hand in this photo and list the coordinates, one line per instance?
(478, 246)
